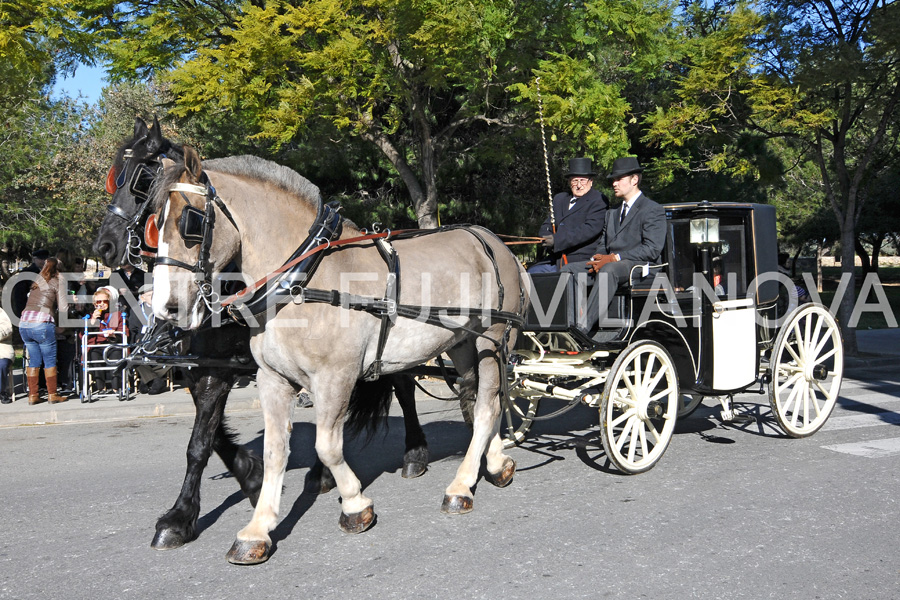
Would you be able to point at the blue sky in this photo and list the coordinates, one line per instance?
(89, 81)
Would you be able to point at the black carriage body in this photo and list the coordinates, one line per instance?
(712, 306)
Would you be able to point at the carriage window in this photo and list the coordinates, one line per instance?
(681, 254)
(732, 255)
(729, 259)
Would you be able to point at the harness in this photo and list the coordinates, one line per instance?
(292, 278)
(139, 185)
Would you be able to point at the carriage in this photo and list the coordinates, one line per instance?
(715, 319)
(710, 321)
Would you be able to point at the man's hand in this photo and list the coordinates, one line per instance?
(598, 260)
(548, 242)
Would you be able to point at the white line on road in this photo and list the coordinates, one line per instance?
(870, 449)
(858, 421)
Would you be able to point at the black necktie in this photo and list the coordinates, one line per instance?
(572, 202)
(622, 215)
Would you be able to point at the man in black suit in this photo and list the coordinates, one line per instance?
(579, 220)
(634, 235)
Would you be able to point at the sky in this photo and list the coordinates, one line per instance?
(87, 80)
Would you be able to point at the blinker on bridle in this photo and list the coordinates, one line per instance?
(142, 178)
(196, 227)
(139, 184)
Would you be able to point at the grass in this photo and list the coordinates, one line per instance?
(889, 277)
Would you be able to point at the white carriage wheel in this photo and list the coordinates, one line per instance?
(519, 410)
(639, 407)
(687, 404)
(807, 367)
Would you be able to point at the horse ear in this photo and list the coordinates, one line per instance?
(154, 137)
(140, 128)
(192, 162)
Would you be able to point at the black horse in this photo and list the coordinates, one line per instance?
(224, 351)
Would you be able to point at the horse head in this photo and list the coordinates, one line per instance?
(197, 238)
(136, 165)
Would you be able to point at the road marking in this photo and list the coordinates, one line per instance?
(858, 421)
(870, 449)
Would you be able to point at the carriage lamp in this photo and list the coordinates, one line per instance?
(705, 224)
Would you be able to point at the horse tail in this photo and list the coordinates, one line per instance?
(369, 404)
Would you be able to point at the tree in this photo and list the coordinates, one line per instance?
(405, 77)
(820, 73)
(46, 184)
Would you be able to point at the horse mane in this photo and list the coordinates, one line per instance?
(265, 170)
(247, 166)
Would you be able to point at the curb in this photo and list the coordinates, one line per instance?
(103, 411)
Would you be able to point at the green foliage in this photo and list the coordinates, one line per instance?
(48, 185)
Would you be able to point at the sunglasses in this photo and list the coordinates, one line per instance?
(99, 302)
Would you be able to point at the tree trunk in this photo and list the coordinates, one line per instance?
(820, 251)
(877, 244)
(863, 256)
(845, 309)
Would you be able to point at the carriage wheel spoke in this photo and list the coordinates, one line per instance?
(645, 373)
(663, 369)
(644, 451)
(625, 415)
(625, 433)
(632, 442)
(648, 370)
(801, 397)
(827, 393)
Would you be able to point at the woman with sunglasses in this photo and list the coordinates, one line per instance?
(38, 330)
(107, 319)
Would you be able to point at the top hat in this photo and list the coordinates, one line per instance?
(40, 254)
(580, 167)
(627, 165)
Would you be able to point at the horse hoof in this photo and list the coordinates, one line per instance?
(412, 470)
(359, 522)
(248, 552)
(505, 476)
(167, 539)
(456, 505)
(415, 462)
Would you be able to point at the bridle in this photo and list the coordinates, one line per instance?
(196, 227)
(139, 185)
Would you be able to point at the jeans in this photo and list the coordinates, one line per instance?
(4, 371)
(40, 341)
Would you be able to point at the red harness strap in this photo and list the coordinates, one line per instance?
(258, 284)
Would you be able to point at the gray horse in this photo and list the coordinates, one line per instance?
(248, 211)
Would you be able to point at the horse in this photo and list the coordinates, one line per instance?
(120, 239)
(225, 351)
(329, 341)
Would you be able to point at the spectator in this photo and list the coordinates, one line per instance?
(108, 322)
(38, 330)
(6, 355)
(21, 289)
(634, 235)
(65, 336)
(579, 217)
(153, 377)
(130, 279)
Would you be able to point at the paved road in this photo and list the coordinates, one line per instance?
(728, 513)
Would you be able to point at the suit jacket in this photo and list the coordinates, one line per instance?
(641, 237)
(579, 229)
